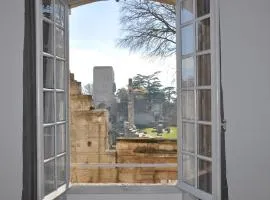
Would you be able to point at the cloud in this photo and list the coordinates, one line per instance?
(125, 65)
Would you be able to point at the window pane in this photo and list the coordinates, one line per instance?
(59, 40)
(49, 174)
(48, 142)
(61, 138)
(187, 40)
(59, 13)
(188, 105)
(48, 73)
(205, 175)
(47, 37)
(204, 140)
(203, 7)
(60, 74)
(189, 169)
(187, 11)
(204, 105)
(204, 34)
(60, 106)
(47, 8)
(188, 137)
(188, 74)
(61, 171)
(204, 70)
(48, 105)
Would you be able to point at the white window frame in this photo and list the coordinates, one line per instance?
(215, 103)
(39, 74)
(216, 123)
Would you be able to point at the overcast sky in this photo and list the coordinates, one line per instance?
(94, 29)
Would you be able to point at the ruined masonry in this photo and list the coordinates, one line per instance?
(88, 134)
(89, 147)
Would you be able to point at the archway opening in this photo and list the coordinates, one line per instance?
(127, 110)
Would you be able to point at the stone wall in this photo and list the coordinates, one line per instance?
(88, 139)
(89, 148)
(146, 150)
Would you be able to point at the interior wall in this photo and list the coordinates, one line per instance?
(11, 87)
(245, 58)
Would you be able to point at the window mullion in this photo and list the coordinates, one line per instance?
(195, 96)
(55, 114)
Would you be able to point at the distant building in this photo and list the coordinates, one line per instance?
(103, 87)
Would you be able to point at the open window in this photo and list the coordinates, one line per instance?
(198, 111)
(52, 95)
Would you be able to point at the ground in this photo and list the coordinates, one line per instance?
(171, 135)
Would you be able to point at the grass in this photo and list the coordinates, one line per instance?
(171, 135)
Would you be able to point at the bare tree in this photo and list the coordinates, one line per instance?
(149, 27)
(87, 89)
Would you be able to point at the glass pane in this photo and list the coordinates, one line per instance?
(203, 7)
(188, 137)
(187, 11)
(188, 74)
(204, 70)
(204, 34)
(205, 175)
(61, 171)
(61, 138)
(187, 34)
(48, 142)
(204, 140)
(47, 8)
(59, 13)
(188, 105)
(48, 106)
(48, 73)
(60, 74)
(47, 37)
(189, 169)
(49, 181)
(204, 105)
(60, 106)
(59, 40)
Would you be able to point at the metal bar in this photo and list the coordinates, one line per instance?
(48, 160)
(123, 165)
(47, 20)
(52, 124)
(47, 55)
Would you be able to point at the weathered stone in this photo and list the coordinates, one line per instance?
(89, 145)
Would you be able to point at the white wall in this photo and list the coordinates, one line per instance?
(11, 66)
(245, 40)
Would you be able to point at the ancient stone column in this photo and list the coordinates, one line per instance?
(130, 103)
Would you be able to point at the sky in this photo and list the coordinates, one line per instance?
(94, 30)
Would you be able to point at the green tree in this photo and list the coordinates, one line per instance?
(150, 85)
(122, 94)
(169, 94)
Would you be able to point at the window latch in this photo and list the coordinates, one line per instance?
(224, 125)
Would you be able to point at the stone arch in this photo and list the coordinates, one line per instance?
(76, 3)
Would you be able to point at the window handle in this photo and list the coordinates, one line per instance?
(224, 125)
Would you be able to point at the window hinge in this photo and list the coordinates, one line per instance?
(224, 124)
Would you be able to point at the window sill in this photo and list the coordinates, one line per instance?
(119, 192)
